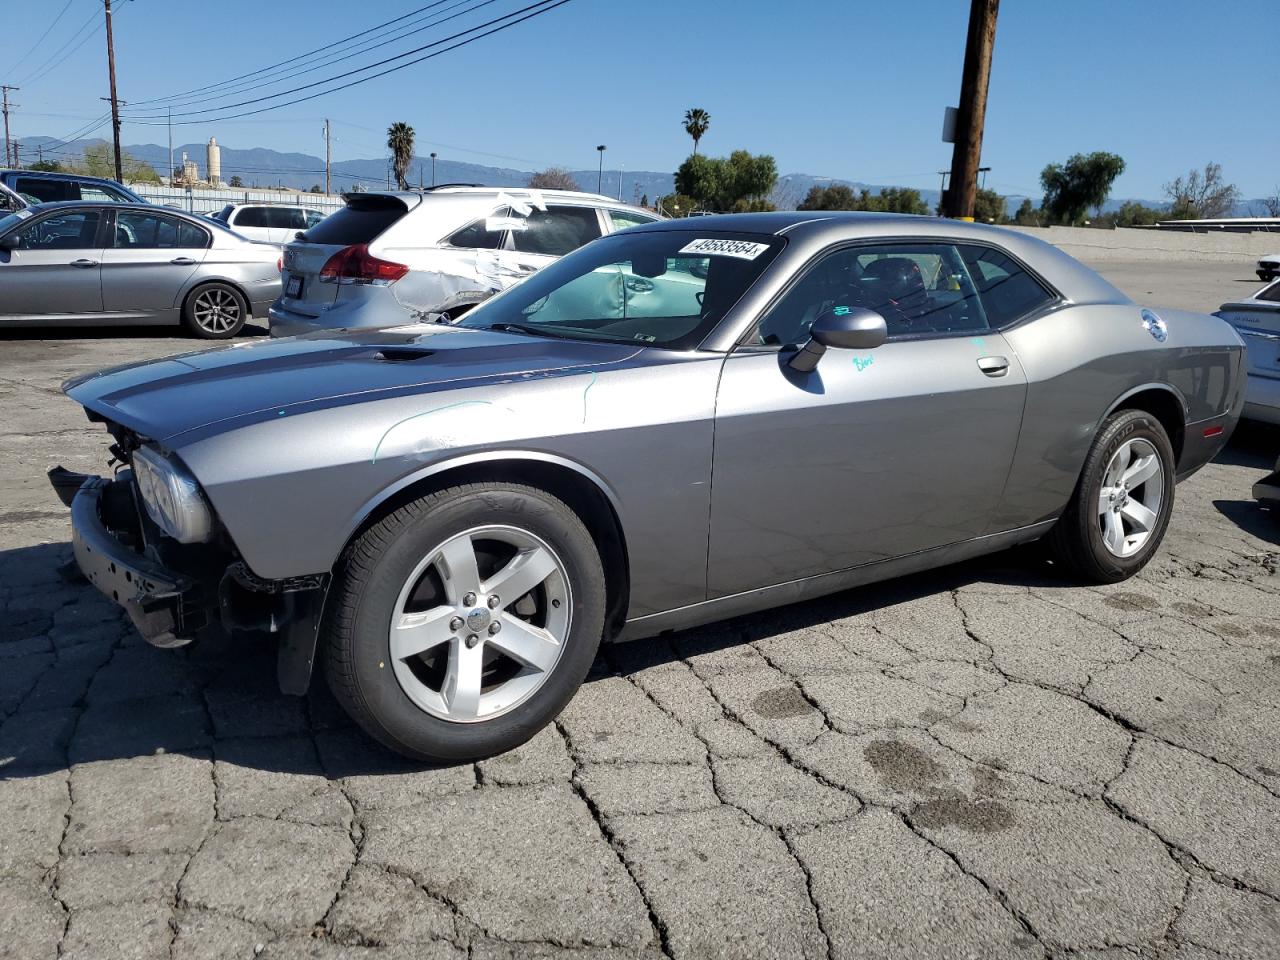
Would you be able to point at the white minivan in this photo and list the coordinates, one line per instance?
(273, 223)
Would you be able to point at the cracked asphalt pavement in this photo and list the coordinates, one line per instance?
(979, 762)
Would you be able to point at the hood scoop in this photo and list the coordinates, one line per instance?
(402, 354)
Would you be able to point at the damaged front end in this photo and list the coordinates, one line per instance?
(174, 569)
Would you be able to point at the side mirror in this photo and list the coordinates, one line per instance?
(846, 328)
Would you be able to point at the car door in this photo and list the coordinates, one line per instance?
(50, 265)
(150, 259)
(874, 454)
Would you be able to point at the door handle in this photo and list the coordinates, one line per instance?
(183, 262)
(84, 264)
(994, 366)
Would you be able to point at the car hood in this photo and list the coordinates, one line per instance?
(163, 398)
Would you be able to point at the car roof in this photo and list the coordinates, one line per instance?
(57, 175)
(411, 197)
(817, 230)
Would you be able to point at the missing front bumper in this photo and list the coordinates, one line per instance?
(160, 602)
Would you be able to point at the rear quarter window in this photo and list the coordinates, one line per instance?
(1007, 291)
(362, 220)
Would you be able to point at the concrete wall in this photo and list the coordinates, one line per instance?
(1162, 246)
(210, 201)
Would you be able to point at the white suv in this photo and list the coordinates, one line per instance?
(273, 223)
(386, 256)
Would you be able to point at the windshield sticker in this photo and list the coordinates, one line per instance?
(742, 249)
(495, 224)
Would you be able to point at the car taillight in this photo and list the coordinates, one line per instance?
(355, 264)
(279, 263)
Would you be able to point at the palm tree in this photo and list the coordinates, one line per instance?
(400, 140)
(696, 122)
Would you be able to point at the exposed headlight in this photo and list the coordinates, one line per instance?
(172, 497)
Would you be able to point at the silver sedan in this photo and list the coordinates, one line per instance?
(678, 423)
(77, 263)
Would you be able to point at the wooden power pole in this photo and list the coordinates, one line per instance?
(8, 150)
(971, 116)
(115, 104)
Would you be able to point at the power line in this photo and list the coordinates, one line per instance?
(289, 73)
(41, 71)
(301, 56)
(525, 13)
(35, 46)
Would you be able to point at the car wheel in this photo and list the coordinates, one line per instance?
(1266, 276)
(1122, 502)
(215, 311)
(462, 623)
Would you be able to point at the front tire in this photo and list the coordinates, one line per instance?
(461, 624)
(1122, 503)
(214, 311)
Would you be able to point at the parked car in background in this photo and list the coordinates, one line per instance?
(11, 202)
(45, 187)
(1269, 267)
(386, 256)
(1268, 488)
(104, 263)
(1257, 320)
(461, 513)
(273, 223)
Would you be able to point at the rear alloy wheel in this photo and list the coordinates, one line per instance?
(215, 311)
(1120, 510)
(461, 624)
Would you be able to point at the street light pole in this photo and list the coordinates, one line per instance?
(433, 169)
(600, 174)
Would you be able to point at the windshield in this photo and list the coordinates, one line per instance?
(664, 288)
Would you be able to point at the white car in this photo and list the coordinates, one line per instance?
(1257, 320)
(271, 222)
(1269, 267)
(386, 256)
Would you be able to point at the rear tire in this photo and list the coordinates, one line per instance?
(435, 575)
(1122, 503)
(215, 311)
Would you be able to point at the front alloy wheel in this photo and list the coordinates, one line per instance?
(480, 623)
(461, 624)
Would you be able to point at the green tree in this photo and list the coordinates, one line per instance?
(1201, 195)
(644, 200)
(99, 161)
(1132, 214)
(727, 183)
(235, 182)
(677, 205)
(897, 200)
(1027, 215)
(990, 207)
(696, 123)
(1084, 181)
(400, 142)
(553, 178)
(46, 166)
(835, 197)
(316, 188)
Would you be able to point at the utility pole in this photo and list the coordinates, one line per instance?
(8, 151)
(169, 172)
(433, 169)
(971, 116)
(115, 104)
(600, 172)
(328, 157)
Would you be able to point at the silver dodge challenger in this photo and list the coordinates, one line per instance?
(678, 423)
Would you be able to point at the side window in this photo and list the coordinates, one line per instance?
(919, 289)
(77, 230)
(621, 219)
(478, 236)
(47, 191)
(98, 194)
(189, 235)
(557, 230)
(1007, 291)
(284, 218)
(313, 217)
(253, 217)
(147, 231)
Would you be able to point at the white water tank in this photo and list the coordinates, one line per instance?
(214, 162)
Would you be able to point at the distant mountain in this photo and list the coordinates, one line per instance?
(258, 166)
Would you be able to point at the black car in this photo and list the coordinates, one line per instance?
(39, 186)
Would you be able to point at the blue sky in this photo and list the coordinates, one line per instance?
(851, 89)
